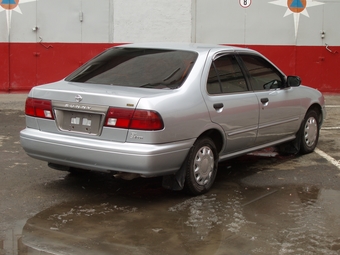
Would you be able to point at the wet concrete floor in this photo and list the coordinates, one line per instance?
(260, 204)
(241, 215)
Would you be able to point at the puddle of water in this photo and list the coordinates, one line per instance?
(230, 220)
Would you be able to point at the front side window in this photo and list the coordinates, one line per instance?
(225, 76)
(263, 76)
(137, 67)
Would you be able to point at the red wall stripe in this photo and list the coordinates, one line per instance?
(24, 65)
(4, 66)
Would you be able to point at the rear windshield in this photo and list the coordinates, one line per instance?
(135, 67)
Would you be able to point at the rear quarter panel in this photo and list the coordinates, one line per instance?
(183, 110)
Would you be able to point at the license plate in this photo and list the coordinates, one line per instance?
(88, 123)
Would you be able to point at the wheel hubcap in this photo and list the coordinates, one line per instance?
(311, 131)
(204, 165)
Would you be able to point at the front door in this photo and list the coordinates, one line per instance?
(279, 106)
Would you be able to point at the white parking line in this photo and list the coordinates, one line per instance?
(330, 128)
(328, 158)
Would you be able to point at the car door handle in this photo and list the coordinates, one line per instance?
(264, 100)
(218, 106)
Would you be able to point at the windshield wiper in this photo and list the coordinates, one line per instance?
(172, 74)
(152, 85)
(155, 84)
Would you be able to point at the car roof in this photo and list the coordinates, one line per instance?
(197, 47)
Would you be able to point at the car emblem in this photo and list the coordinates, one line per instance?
(78, 98)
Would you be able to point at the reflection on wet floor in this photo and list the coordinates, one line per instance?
(241, 215)
(232, 219)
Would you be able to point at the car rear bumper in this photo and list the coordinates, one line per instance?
(144, 159)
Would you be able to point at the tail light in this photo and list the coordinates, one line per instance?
(133, 119)
(39, 108)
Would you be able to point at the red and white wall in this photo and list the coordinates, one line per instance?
(44, 40)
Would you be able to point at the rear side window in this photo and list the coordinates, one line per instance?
(263, 76)
(225, 76)
(137, 67)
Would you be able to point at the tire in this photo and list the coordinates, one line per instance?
(309, 132)
(201, 166)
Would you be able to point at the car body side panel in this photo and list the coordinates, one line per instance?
(310, 97)
(184, 117)
(280, 116)
(239, 115)
(238, 118)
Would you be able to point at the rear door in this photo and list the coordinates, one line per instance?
(279, 106)
(231, 104)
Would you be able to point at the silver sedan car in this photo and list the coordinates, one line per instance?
(171, 110)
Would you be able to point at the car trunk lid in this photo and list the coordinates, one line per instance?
(98, 111)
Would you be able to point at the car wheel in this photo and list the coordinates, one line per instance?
(309, 132)
(201, 166)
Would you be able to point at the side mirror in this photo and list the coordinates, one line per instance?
(293, 81)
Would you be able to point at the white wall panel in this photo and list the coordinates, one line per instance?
(207, 21)
(3, 27)
(310, 27)
(267, 22)
(331, 24)
(58, 21)
(19, 22)
(152, 20)
(97, 21)
(219, 21)
(22, 24)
